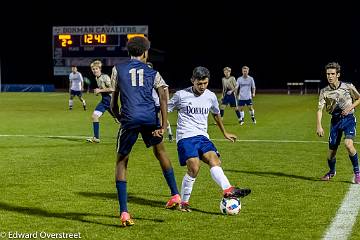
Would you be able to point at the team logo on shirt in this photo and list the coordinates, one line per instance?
(197, 110)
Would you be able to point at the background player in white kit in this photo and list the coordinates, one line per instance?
(76, 87)
(246, 85)
(194, 105)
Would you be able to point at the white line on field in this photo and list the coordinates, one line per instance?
(345, 218)
(214, 139)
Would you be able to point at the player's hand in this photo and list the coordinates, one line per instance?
(320, 131)
(229, 92)
(96, 91)
(346, 111)
(230, 137)
(158, 132)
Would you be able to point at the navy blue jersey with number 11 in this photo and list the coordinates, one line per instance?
(135, 81)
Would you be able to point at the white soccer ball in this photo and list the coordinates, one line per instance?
(230, 206)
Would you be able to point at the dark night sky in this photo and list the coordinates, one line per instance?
(278, 45)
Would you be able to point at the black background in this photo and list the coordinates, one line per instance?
(280, 42)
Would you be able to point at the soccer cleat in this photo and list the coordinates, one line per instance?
(241, 122)
(93, 140)
(174, 202)
(254, 120)
(126, 220)
(171, 138)
(235, 192)
(70, 108)
(357, 178)
(84, 107)
(328, 176)
(185, 207)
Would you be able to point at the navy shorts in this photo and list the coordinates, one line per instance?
(75, 93)
(194, 147)
(346, 124)
(102, 107)
(245, 102)
(127, 138)
(229, 100)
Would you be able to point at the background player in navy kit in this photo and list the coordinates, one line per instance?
(340, 100)
(105, 88)
(76, 87)
(134, 82)
(193, 144)
(228, 93)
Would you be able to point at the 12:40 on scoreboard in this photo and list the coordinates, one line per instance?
(79, 45)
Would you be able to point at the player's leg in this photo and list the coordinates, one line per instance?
(350, 131)
(98, 112)
(252, 111)
(193, 167)
(241, 105)
(71, 100)
(210, 156)
(125, 140)
(168, 172)
(168, 128)
(222, 110)
(82, 101)
(234, 106)
(334, 141)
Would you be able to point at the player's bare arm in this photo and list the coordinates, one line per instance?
(319, 128)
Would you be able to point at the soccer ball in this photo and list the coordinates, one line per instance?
(230, 206)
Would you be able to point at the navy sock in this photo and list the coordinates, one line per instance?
(96, 127)
(238, 114)
(331, 163)
(355, 162)
(222, 113)
(170, 179)
(122, 195)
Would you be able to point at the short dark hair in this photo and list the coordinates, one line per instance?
(136, 46)
(333, 65)
(200, 73)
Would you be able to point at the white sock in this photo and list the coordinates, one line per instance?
(242, 115)
(71, 103)
(84, 103)
(186, 187)
(169, 128)
(219, 177)
(252, 113)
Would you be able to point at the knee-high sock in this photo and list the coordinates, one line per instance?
(219, 177)
(252, 113)
(122, 195)
(169, 128)
(71, 102)
(186, 187)
(171, 182)
(242, 115)
(238, 114)
(96, 126)
(331, 164)
(355, 162)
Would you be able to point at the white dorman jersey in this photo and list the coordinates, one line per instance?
(193, 112)
(76, 80)
(245, 85)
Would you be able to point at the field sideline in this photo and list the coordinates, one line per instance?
(52, 181)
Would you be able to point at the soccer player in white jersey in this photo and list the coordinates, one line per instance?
(193, 144)
(105, 88)
(340, 100)
(246, 85)
(228, 93)
(76, 87)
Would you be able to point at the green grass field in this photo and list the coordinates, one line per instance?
(53, 181)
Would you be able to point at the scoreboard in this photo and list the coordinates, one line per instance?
(80, 45)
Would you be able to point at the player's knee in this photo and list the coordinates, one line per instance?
(349, 144)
